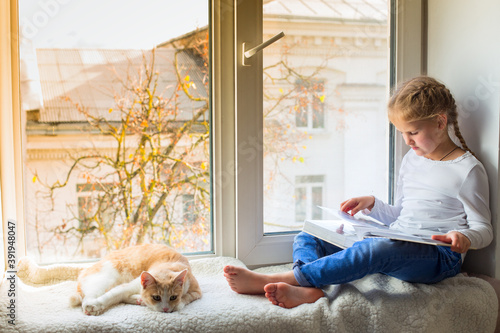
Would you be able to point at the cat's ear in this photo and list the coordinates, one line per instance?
(147, 279)
(180, 277)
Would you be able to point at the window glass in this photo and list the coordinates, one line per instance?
(325, 88)
(115, 97)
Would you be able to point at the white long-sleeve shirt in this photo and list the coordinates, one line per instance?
(435, 197)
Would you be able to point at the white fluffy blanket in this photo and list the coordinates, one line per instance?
(376, 303)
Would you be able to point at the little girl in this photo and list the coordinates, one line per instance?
(442, 191)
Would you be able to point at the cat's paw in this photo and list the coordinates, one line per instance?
(134, 299)
(93, 308)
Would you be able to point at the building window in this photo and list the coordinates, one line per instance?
(93, 215)
(90, 197)
(308, 196)
(188, 208)
(310, 105)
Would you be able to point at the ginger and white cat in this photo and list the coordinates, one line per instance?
(151, 274)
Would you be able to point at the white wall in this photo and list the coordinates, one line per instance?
(464, 53)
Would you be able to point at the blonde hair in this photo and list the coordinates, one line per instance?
(424, 98)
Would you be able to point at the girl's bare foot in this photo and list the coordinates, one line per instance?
(288, 296)
(244, 281)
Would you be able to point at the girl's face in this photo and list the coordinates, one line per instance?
(424, 136)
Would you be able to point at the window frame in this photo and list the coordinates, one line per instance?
(11, 166)
(237, 141)
(254, 247)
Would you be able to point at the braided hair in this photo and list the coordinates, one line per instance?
(423, 98)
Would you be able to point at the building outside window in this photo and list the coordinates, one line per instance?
(308, 198)
(311, 102)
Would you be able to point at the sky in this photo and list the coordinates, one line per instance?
(115, 24)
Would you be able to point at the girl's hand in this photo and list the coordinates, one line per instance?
(355, 205)
(459, 242)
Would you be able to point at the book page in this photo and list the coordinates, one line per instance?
(365, 228)
(337, 232)
(354, 219)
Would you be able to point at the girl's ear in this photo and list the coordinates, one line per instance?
(147, 280)
(442, 121)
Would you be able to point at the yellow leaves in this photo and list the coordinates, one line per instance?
(34, 179)
(300, 159)
(188, 83)
(110, 110)
(322, 98)
(281, 91)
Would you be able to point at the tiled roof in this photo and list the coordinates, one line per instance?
(328, 9)
(94, 77)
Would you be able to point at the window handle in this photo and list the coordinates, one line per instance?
(250, 53)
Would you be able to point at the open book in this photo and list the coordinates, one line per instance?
(345, 230)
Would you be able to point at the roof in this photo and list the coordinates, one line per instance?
(328, 10)
(343, 10)
(93, 78)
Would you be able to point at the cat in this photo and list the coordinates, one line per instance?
(153, 275)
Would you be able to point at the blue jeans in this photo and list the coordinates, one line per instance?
(318, 263)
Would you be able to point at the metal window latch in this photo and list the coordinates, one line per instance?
(247, 54)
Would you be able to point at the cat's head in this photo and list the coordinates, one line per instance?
(163, 294)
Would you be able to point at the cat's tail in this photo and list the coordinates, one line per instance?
(32, 274)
